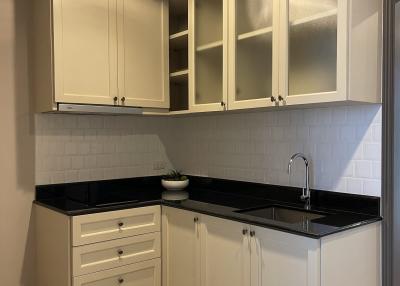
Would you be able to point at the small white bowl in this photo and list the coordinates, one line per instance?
(174, 185)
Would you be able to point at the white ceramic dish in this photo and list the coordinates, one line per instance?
(174, 185)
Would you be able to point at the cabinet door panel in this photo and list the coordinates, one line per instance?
(105, 226)
(225, 253)
(85, 51)
(284, 259)
(118, 252)
(147, 273)
(143, 53)
(209, 54)
(180, 248)
(254, 43)
(313, 58)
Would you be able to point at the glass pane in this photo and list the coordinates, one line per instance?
(209, 70)
(209, 17)
(252, 15)
(209, 51)
(312, 46)
(254, 49)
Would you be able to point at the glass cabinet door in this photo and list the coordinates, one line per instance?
(312, 48)
(210, 54)
(254, 60)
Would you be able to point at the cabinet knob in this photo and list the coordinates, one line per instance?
(120, 252)
(120, 280)
(245, 231)
(280, 98)
(196, 219)
(115, 98)
(223, 104)
(123, 99)
(121, 224)
(252, 233)
(273, 99)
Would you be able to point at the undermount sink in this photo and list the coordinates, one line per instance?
(282, 214)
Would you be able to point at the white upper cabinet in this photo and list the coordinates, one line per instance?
(101, 52)
(286, 52)
(253, 52)
(209, 54)
(330, 51)
(142, 53)
(85, 51)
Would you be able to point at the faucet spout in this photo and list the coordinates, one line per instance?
(306, 195)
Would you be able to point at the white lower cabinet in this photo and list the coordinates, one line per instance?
(207, 251)
(110, 254)
(180, 244)
(283, 259)
(147, 273)
(196, 250)
(225, 253)
(102, 249)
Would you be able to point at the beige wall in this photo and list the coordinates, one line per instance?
(17, 149)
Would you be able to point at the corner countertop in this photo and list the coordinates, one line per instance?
(219, 198)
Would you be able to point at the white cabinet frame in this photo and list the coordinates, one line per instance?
(232, 47)
(219, 106)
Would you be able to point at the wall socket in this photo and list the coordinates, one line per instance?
(159, 165)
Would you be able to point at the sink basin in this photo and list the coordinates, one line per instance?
(282, 214)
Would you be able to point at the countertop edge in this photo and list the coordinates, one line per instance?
(214, 214)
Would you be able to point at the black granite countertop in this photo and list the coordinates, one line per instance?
(220, 198)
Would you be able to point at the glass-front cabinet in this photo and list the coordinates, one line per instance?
(209, 55)
(313, 59)
(253, 53)
(262, 53)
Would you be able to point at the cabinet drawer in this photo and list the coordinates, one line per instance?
(147, 273)
(100, 227)
(110, 254)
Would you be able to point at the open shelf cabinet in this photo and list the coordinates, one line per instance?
(179, 55)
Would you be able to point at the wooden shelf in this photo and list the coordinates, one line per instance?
(182, 34)
(179, 76)
(255, 33)
(180, 112)
(209, 46)
(315, 17)
(179, 40)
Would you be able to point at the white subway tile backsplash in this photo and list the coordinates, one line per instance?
(343, 143)
(363, 169)
(74, 148)
(372, 151)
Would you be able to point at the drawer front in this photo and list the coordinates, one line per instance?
(111, 254)
(147, 273)
(105, 226)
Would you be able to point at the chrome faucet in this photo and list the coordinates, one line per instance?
(306, 196)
